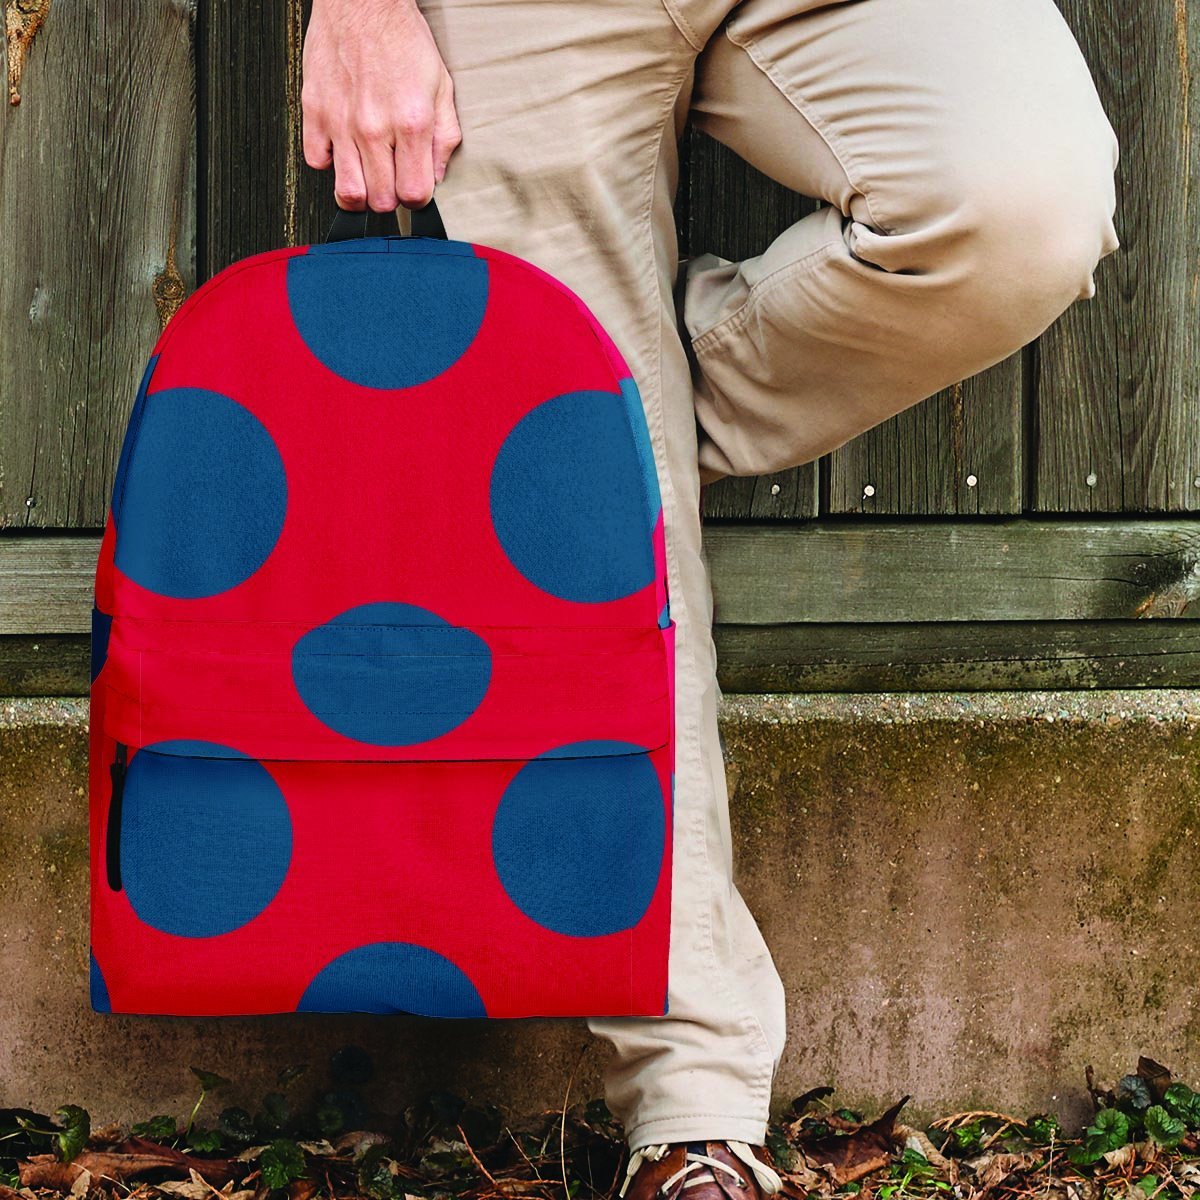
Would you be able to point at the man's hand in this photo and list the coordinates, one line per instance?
(378, 103)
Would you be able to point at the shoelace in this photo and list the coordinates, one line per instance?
(694, 1162)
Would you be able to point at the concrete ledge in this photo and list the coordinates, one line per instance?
(969, 895)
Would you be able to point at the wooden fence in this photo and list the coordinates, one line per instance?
(1018, 530)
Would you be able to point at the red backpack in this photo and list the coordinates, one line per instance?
(382, 700)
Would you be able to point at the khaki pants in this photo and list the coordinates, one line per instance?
(968, 169)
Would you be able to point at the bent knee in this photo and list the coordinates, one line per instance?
(1034, 253)
(1014, 248)
(1018, 220)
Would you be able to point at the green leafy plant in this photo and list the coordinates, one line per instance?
(1165, 1129)
(967, 1138)
(781, 1150)
(76, 1128)
(281, 1162)
(205, 1141)
(913, 1172)
(376, 1174)
(210, 1081)
(1133, 1094)
(67, 1137)
(1042, 1129)
(158, 1129)
(1109, 1131)
(237, 1126)
(1180, 1101)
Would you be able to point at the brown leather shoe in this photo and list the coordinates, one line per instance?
(701, 1171)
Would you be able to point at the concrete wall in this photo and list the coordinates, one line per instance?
(970, 897)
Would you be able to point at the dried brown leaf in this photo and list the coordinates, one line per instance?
(803, 1178)
(521, 1187)
(915, 1139)
(849, 1157)
(185, 1189)
(217, 1171)
(1122, 1156)
(319, 1148)
(357, 1142)
(45, 1171)
(1157, 1077)
(993, 1169)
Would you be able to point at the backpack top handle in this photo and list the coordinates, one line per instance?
(426, 222)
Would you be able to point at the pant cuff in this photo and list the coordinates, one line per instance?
(698, 1127)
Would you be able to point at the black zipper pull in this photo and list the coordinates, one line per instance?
(112, 839)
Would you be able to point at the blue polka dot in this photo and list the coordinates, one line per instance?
(391, 674)
(664, 617)
(393, 977)
(579, 836)
(98, 988)
(569, 501)
(205, 841)
(387, 321)
(202, 499)
(101, 629)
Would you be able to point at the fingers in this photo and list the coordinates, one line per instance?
(378, 103)
(378, 107)
(373, 173)
(350, 186)
(414, 158)
(318, 149)
(379, 170)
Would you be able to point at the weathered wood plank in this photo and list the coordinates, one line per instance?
(1119, 388)
(97, 203)
(917, 657)
(257, 192)
(46, 584)
(732, 210)
(824, 572)
(54, 665)
(958, 453)
(954, 571)
(783, 496)
(957, 656)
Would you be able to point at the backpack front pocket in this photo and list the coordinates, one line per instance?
(515, 863)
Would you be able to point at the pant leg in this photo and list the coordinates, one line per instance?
(569, 111)
(968, 167)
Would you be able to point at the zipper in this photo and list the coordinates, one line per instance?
(112, 839)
